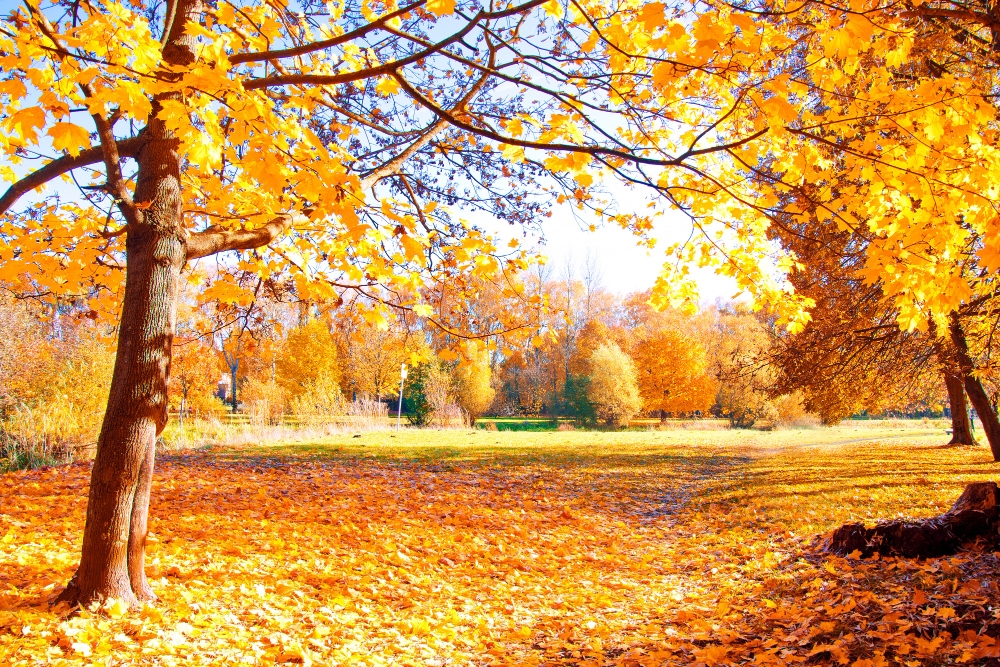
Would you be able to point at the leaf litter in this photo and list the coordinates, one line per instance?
(585, 549)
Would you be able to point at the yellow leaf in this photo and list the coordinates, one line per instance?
(69, 137)
(440, 7)
(554, 8)
(26, 121)
(387, 85)
(652, 15)
(512, 153)
(116, 608)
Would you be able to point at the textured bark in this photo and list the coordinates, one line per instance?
(974, 516)
(961, 426)
(974, 387)
(136, 413)
(138, 529)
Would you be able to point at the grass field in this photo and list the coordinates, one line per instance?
(669, 547)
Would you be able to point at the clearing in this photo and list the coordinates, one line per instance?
(469, 548)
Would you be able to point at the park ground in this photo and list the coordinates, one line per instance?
(668, 547)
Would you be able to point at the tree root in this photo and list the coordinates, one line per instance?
(974, 516)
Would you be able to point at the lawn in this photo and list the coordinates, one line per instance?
(477, 547)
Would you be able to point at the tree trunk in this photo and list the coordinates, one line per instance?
(138, 528)
(232, 373)
(974, 387)
(112, 556)
(961, 426)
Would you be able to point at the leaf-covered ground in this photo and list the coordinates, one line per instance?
(459, 548)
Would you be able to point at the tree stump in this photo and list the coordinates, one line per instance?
(975, 515)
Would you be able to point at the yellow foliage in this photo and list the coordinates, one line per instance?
(474, 392)
(307, 360)
(673, 372)
(613, 388)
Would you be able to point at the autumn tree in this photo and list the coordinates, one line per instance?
(373, 357)
(307, 368)
(195, 376)
(474, 391)
(673, 373)
(741, 363)
(613, 387)
(671, 358)
(852, 356)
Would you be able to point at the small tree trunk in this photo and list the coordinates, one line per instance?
(961, 431)
(974, 387)
(232, 391)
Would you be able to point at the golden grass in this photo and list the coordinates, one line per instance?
(467, 548)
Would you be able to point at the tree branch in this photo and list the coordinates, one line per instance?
(388, 68)
(214, 240)
(324, 44)
(395, 163)
(126, 148)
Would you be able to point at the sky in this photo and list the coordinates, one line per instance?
(624, 265)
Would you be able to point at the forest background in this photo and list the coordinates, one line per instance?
(555, 345)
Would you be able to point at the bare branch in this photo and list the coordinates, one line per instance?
(388, 68)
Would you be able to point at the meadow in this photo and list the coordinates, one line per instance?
(421, 547)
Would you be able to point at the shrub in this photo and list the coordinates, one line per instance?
(55, 388)
(428, 395)
(473, 392)
(614, 389)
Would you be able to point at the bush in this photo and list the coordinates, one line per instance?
(428, 394)
(790, 411)
(55, 395)
(473, 392)
(614, 388)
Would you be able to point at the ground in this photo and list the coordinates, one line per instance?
(471, 548)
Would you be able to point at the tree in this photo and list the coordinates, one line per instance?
(194, 377)
(852, 356)
(308, 356)
(614, 388)
(578, 404)
(742, 365)
(671, 359)
(673, 373)
(307, 369)
(373, 359)
(474, 392)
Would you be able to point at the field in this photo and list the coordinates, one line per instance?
(475, 547)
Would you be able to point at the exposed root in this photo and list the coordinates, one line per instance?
(974, 516)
